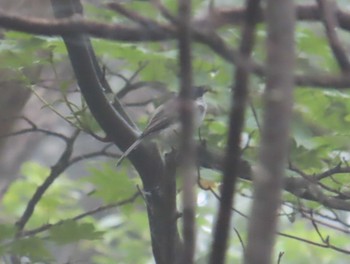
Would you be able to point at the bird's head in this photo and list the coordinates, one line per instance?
(199, 91)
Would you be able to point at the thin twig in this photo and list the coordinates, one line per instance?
(240, 239)
(33, 128)
(133, 16)
(295, 237)
(315, 243)
(255, 114)
(56, 170)
(280, 255)
(165, 12)
(81, 216)
(314, 224)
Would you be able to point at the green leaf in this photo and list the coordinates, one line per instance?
(71, 231)
(112, 185)
(35, 171)
(7, 231)
(57, 198)
(34, 248)
(218, 127)
(314, 51)
(303, 136)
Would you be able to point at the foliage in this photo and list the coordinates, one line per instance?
(319, 141)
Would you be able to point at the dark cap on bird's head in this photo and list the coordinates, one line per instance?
(199, 91)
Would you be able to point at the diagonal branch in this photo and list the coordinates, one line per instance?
(81, 216)
(133, 16)
(327, 10)
(56, 170)
(33, 128)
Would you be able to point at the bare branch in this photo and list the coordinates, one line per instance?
(314, 180)
(236, 125)
(133, 16)
(56, 170)
(332, 171)
(278, 101)
(187, 149)
(165, 12)
(34, 128)
(81, 216)
(328, 9)
(322, 245)
(280, 255)
(164, 32)
(240, 239)
(301, 188)
(95, 154)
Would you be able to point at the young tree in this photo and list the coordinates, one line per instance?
(279, 143)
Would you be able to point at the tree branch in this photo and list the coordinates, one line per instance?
(56, 170)
(278, 101)
(146, 159)
(164, 32)
(99, 209)
(236, 124)
(327, 10)
(187, 151)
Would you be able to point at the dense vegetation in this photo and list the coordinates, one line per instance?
(116, 215)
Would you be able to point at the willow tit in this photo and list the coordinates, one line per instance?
(165, 122)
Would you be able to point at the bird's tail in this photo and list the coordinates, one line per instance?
(129, 150)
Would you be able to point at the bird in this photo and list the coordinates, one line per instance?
(165, 121)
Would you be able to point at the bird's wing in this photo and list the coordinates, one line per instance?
(162, 118)
(129, 150)
(159, 121)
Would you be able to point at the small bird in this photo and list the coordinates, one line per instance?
(165, 121)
